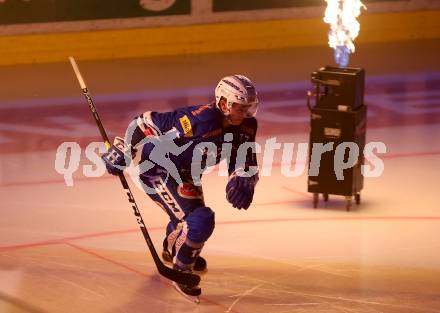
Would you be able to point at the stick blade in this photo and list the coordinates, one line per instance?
(188, 279)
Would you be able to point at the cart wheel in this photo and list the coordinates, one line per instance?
(315, 200)
(325, 195)
(348, 203)
(357, 197)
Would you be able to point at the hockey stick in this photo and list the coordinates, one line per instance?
(188, 279)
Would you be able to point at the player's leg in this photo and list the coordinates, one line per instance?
(187, 241)
(191, 222)
(200, 264)
(191, 198)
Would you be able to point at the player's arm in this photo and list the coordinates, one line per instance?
(148, 124)
(243, 173)
(247, 168)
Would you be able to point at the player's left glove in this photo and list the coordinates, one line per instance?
(240, 191)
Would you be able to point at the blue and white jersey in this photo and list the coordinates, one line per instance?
(194, 125)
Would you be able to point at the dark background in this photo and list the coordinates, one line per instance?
(40, 11)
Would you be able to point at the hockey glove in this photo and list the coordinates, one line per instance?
(240, 191)
(117, 156)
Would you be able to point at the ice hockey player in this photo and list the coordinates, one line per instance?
(229, 120)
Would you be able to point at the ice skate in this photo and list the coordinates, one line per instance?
(190, 293)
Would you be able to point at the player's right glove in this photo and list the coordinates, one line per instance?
(117, 156)
(240, 191)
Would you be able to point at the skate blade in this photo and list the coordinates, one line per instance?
(194, 299)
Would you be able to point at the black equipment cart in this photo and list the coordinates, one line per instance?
(338, 116)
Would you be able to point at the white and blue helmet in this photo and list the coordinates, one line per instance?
(237, 89)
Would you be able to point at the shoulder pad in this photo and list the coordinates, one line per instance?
(196, 121)
(207, 112)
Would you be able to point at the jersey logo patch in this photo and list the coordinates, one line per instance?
(186, 126)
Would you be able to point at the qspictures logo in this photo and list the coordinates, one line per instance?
(206, 154)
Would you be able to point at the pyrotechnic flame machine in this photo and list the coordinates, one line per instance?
(344, 27)
(340, 87)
